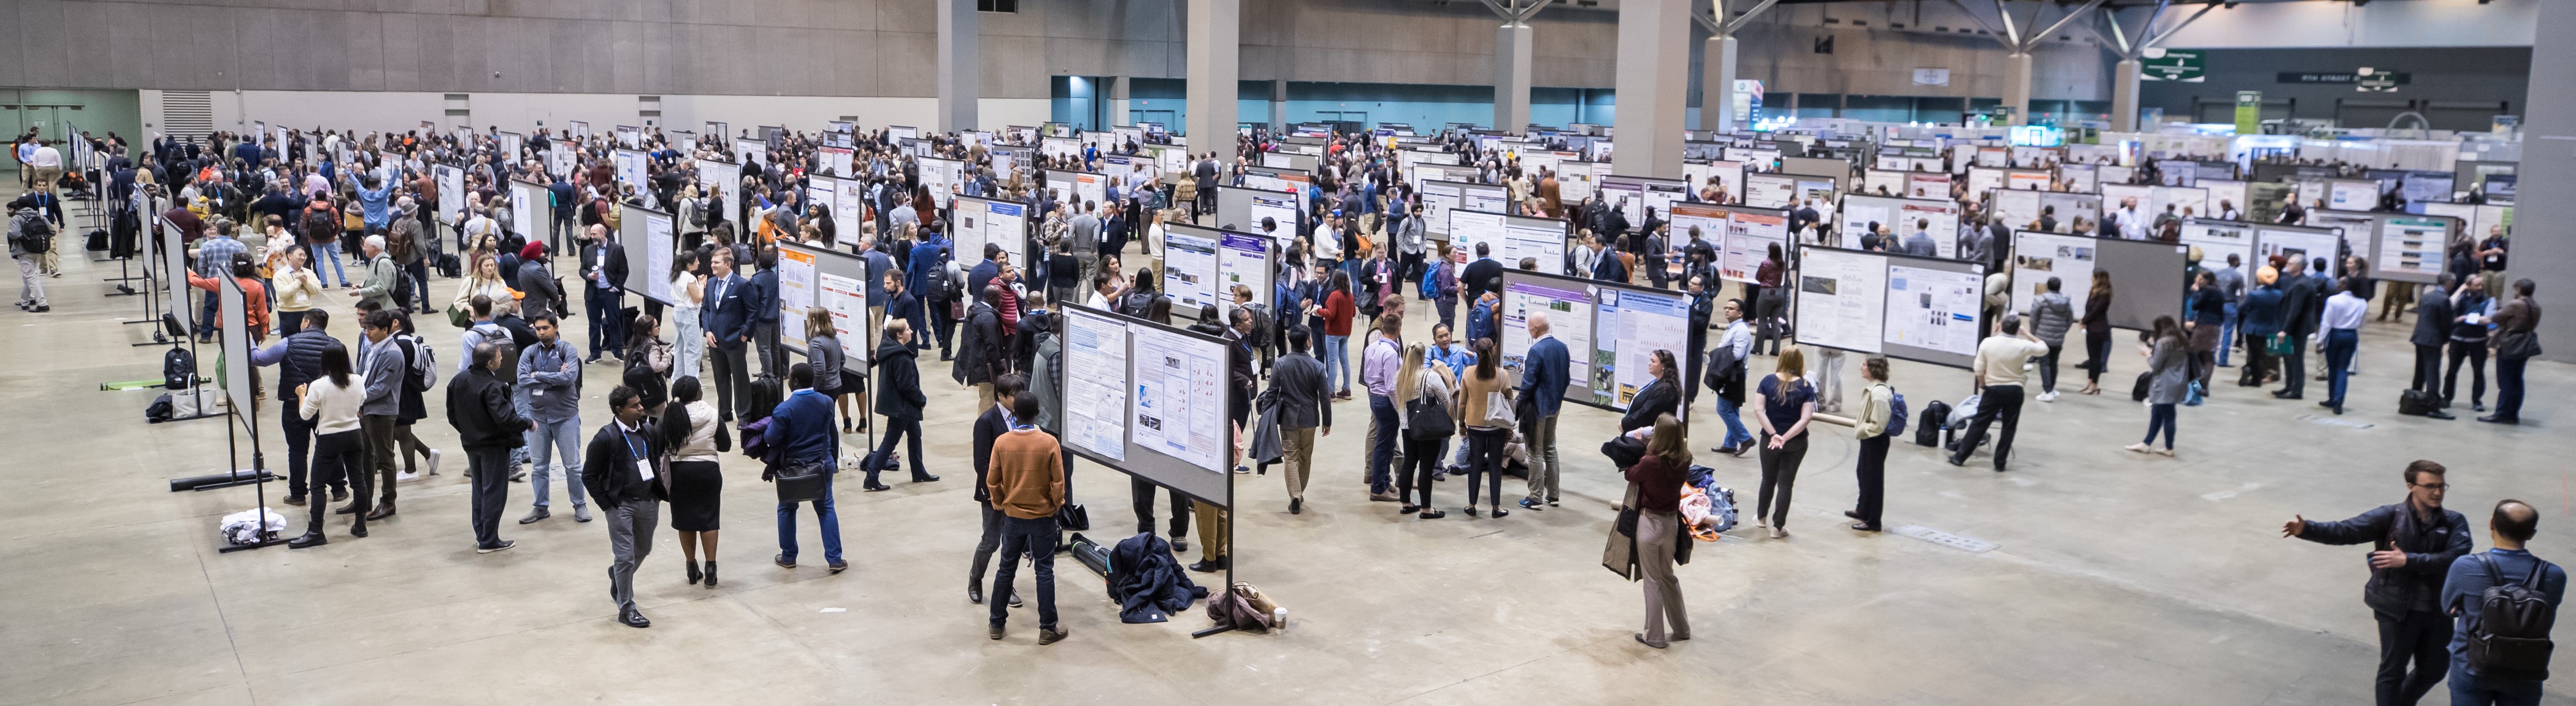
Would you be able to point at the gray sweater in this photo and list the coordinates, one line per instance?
(2171, 366)
(551, 375)
(824, 353)
(384, 377)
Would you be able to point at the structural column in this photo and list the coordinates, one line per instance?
(1118, 103)
(1278, 106)
(2124, 96)
(1215, 48)
(961, 66)
(2546, 196)
(1653, 87)
(2017, 87)
(1512, 47)
(1717, 84)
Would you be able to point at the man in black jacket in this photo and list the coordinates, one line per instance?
(489, 426)
(1484, 274)
(980, 357)
(2302, 301)
(2414, 543)
(1305, 405)
(603, 274)
(2432, 332)
(618, 469)
(990, 425)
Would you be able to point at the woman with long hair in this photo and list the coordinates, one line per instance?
(688, 291)
(690, 429)
(485, 279)
(1422, 383)
(1337, 311)
(1770, 301)
(1662, 393)
(2169, 363)
(1484, 438)
(1787, 403)
(2097, 332)
(331, 402)
(1659, 477)
(297, 289)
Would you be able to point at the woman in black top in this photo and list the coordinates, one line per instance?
(2097, 332)
(2208, 313)
(1787, 403)
(1660, 395)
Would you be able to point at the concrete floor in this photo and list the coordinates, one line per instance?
(2119, 578)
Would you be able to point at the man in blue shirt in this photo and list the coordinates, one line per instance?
(801, 432)
(550, 372)
(2508, 563)
(1543, 373)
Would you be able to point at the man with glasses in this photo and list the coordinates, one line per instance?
(2413, 545)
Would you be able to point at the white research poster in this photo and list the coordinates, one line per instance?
(658, 241)
(1095, 379)
(795, 292)
(1243, 260)
(847, 300)
(1180, 402)
(1631, 326)
(2039, 256)
(1933, 309)
(1190, 271)
(1569, 319)
(1841, 296)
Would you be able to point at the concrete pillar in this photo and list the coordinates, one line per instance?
(1278, 106)
(2017, 87)
(2546, 198)
(1118, 103)
(1512, 47)
(1654, 86)
(1215, 30)
(1717, 84)
(2124, 96)
(961, 66)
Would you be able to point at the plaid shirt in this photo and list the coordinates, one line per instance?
(215, 256)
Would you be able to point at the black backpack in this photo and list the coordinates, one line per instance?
(1929, 432)
(178, 369)
(35, 234)
(2510, 638)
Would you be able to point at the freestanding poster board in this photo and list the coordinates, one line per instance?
(650, 242)
(1149, 400)
(1901, 306)
(1610, 330)
(828, 278)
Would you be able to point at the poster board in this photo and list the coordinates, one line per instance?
(797, 266)
(1510, 238)
(1769, 190)
(2300, 243)
(650, 241)
(1248, 260)
(2187, 202)
(1609, 330)
(1728, 175)
(451, 193)
(2358, 229)
(232, 307)
(829, 278)
(631, 169)
(1240, 210)
(2146, 280)
(1899, 215)
(2351, 194)
(1641, 193)
(1149, 400)
(2409, 247)
(2218, 239)
(2038, 256)
(943, 178)
(1914, 308)
(718, 178)
(530, 212)
(1189, 265)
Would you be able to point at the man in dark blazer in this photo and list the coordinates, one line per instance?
(2302, 301)
(990, 425)
(2432, 332)
(764, 311)
(1485, 274)
(726, 319)
(1543, 379)
(603, 274)
(620, 469)
(1304, 397)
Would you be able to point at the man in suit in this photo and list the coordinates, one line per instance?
(2302, 297)
(1304, 398)
(1543, 374)
(726, 318)
(2432, 332)
(985, 271)
(763, 288)
(1485, 274)
(603, 266)
(990, 425)
(618, 469)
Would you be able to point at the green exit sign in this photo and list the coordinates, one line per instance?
(2185, 65)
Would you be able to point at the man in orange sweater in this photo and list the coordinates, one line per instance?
(1026, 482)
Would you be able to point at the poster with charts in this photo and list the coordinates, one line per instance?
(1095, 383)
(1769, 191)
(2217, 240)
(847, 300)
(1190, 269)
(1629, 326)
(1840, 296)
(1569, 318)
(1710, 219)
(2410, 247)
(630, 169)
(1242, 260)
(655, 229)
(2069, 258)
(1749, 237)
(795, 292)
(1180, 397)
(1933, 309)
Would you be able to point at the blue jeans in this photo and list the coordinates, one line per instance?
(2340, 345)
(1035, 538)
(825, 518)
(566, 437)
(2226, 334)
(1736, 435)
(329, 252)
(2469, 690)
(519, 403)
(2160, 418)
(1337, 360)
(1382, 455)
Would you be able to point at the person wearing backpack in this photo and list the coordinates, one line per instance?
(30, 236)
(2414, 543)
(1882, 418)
(2505, 601)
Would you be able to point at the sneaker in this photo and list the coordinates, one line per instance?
(433, 462)
(503, 544)
(2049, 396)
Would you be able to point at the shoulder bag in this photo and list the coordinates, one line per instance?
(1619, 554)
(801, 482)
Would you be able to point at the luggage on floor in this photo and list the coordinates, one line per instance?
(2416, 403)
(1929, 432)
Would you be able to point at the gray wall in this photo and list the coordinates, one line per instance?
(2453, 77)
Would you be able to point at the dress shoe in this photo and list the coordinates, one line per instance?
(1499, 513)
(1470, 510)
(840, 566)
(2477, 407)
(339, 495)
(974, 591)
(1180, 544)
(711, 573)
(2500, 419)
(310, 539)
(1049, 636)
(295, 500)
(497, 546)
(694, 574)
(1641, 639)
(1209, 566)
(876, 487)
(383, 510)
(1864, 527)
(2285, 395)
(1854, 514)
(535, 515)
(1296, 506)
(351, 508)
(633, 618)
(2439, 414)
(581, 513)
(996, 632)
(1430, 514)
(925, 478)
(358, 529)
(783, 562)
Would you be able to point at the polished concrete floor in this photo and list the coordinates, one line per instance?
(2117, 578)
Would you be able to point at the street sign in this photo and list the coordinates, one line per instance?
(2186, 65)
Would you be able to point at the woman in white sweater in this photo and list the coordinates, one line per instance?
(331, 401)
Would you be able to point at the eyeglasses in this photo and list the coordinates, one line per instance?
(2431, 486)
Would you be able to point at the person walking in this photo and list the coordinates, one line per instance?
(1482, 389)
(2097, 332)
(2515, 345)
(1426, 390)
(1303, 393)
(1659, 477)
(1545, 371)
(1787, 403)
(696, 493)
(550, 372)
(2051, 314)
(900, 400)
(1877, 411)
(488, 425)
(2465, 588)
(802, 435)
(1999, 379)
(332, 401)
(2169, 377)
(2416, 542)
(2344, 314)
(620, 469)
(1027, 484)
(1727, 360)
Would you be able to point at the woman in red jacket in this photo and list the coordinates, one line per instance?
(1659, 477)
(1337, 311)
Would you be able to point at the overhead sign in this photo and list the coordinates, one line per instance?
(2363, 78)
(2172, 65)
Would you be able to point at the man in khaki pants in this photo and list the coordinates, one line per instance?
(1305, 407)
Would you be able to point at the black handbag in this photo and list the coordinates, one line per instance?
(2145, 381)
(1072, 518)
(801, 482)
(1428, 420)
(2515, 345)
